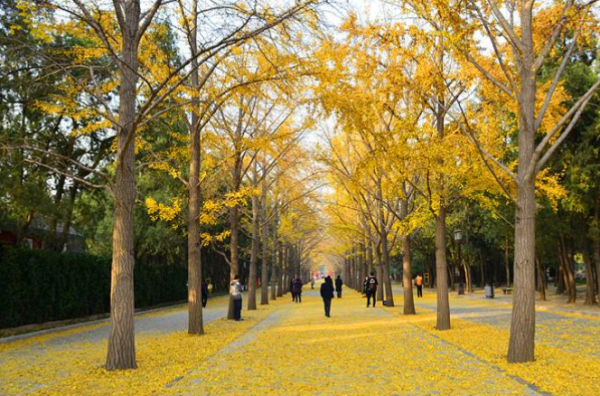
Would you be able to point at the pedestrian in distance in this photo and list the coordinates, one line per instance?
(297, 290)
(327, 295)
(364, 288)
(204, 293)
(419, 284)
(292, 289)
(235, 290)
(338, 286)
(371, 289)
(312, 282)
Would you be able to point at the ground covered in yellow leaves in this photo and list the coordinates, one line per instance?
(293, 349)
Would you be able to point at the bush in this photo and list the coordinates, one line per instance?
(38, 286)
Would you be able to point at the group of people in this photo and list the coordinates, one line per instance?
(328, 291)
(370, 285)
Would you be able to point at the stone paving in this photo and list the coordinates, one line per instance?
(293, 349)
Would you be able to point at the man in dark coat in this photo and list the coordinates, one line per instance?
(327, 295)
(372, 289)
(338, 286)
(297, 290)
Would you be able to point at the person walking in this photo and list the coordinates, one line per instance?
(204, 293)
(297, 290)
(312, 282)
(338, 286)
(371, 289)
(419, 284)
(235, 290)
(327, 295)
(292, 289)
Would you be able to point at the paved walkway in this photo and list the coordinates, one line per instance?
(293, 349)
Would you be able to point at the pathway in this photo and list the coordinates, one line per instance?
(293, 349)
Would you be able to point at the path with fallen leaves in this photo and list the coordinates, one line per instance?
(293, 349)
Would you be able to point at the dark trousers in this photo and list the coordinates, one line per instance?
(298, 297)
(327, 303)
(237, 309)
(204, 300)
(339, 293)
(371, 294)
(419, 290)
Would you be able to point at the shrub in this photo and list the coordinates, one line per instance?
(38, 286)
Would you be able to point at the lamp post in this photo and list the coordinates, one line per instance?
(458, 238)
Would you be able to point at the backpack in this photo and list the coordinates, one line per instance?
(372, 284)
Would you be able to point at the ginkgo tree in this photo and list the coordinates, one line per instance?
(509, 45)
(120, 30)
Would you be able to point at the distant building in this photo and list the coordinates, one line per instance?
(39, 234)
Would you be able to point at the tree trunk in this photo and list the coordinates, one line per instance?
(507, 261)
(409, 303)
(590, 294)
(361, 267)
(274, 277)
(596, 244)
(522, 329)
(264, 282)
(253, 252)
(468, 275)
(233, 251)
(195, 320)
(568, 269)
(522, 333)
(369, 246)
(389, 296)
(441, 269)
(541, 279)
(121, 338)
(379, 272)
(560, 274)
(280, 271)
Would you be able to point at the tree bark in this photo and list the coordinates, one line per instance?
(443, 303)
(590, 294)
(121, 338)
(280, 271)
(560, 274)
(264, 283)
(596, 244)
(379, 272)
(409, 303)
(522, 330)
(233, 251)
(389, 296)
(507, 261)
(541, 279)
(568, 269)
(195, 319)
(253, 253)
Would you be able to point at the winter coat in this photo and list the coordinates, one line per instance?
(327, 289)
(338, 284)
(235, 290)
(297, 287)
(372, 284)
